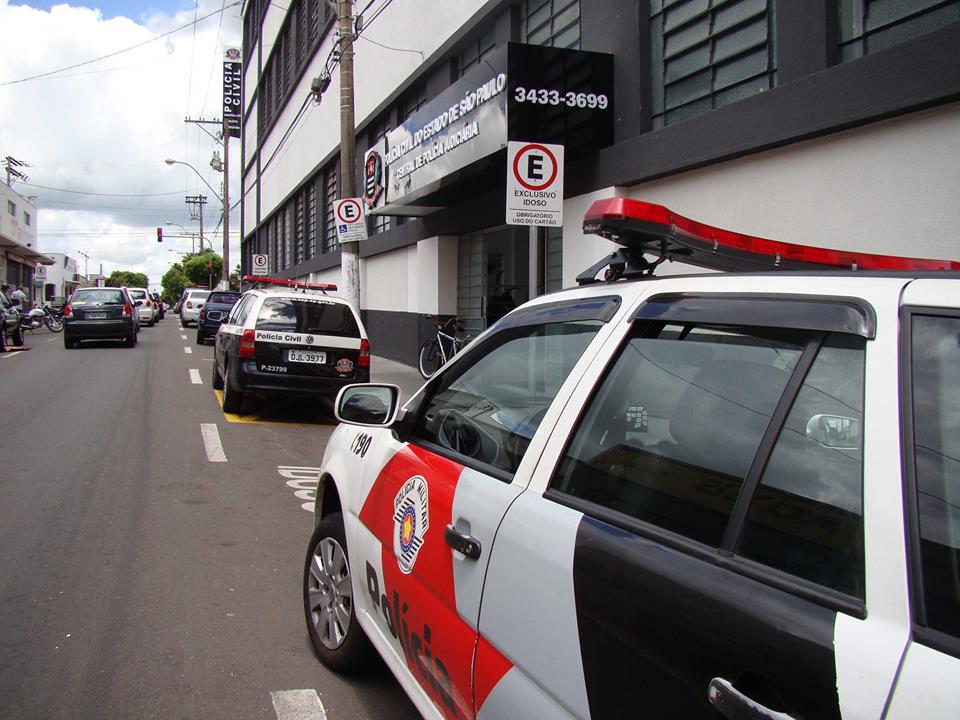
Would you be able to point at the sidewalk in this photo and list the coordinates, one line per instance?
(390, 371)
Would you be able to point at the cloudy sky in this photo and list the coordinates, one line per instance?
(96, 135)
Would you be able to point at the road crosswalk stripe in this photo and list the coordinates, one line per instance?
(211, 442)
(298, 705)
(188, 350)
(195, 377)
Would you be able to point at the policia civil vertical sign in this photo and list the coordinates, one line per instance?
(232, 69)
(534, 184)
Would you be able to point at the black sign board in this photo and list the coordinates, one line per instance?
(232, 108)
(519, 92)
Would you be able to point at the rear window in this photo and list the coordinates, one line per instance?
(308, 315)
(98, 296)
(137, 294)
(228, 298)
(198, 295)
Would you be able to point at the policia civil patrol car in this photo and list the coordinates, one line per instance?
(717, 495)
(289, 338)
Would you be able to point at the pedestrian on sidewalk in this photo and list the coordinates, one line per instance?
(4, 306)
(20, 295)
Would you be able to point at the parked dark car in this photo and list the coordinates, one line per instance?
(213, 313)
(160, 306)
(100, 314)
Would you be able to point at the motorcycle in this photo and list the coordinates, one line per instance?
(33, 319)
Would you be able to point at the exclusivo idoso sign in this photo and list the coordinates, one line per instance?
(534, 184)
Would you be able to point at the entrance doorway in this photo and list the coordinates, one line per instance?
(493, 275)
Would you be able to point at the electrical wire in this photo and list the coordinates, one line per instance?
(286, 135)
(387, 47)
(119, 52)
(84, 192)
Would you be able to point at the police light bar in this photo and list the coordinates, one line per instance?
(642, 227)
(259, 280)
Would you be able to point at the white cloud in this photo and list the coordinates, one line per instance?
(107, 127)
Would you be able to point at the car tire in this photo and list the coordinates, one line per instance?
(130, 340)
(335, 634)
(217, 381)
(68, 342)
(232, 398)
(18, 336)
(200, 338)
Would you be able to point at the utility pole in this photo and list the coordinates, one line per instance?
(350, 251)
(198, 201)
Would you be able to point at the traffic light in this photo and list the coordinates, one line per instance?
(160, 234)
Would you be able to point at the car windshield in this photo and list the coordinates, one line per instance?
(225, 298)
(91, 297)
(307, 315)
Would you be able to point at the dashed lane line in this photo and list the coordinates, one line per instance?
(211, 442)
(195, 377)
(298, 705)
(183, 337)
(188, 350)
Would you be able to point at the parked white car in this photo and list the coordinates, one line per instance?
(193, 300)
(147, 311)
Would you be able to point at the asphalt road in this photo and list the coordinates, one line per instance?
(140, 579)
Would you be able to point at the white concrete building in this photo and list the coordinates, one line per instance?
(60, 279)
(834, 124)
(19, 255)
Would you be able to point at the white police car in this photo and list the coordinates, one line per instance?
(688, 497)
(289, 338)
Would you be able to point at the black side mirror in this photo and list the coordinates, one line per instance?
(368, 404)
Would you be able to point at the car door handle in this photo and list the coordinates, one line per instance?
(733, 704)
(462, 543)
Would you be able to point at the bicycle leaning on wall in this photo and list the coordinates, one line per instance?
(436, 351)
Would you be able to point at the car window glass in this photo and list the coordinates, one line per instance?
(489, 409)
(243, 309)
(936, 420)
(807, 515)
(223, 297)
(198, 295)
(671, 432)
(308, 315)
(92, 297)
(137, 294)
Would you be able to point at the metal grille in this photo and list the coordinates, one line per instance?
(330, 194)
(310, 236)
(867, 26)
(709, 53)
(298, 230)
(552, 22)
(287, 215)
(552, 259)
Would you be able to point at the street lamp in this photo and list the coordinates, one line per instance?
(226, 212)
(192, 236)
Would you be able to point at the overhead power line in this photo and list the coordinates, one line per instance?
(86, 192)
(124, 50)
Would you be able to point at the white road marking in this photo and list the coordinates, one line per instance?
(188, 350)
(183, 337)
(298, 705)
(211, 441)
(11, 354)
(195, 377)
(52, 339)
(304, 481)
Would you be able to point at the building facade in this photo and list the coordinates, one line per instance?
(830, 122)
(59, 279)
(19, 256)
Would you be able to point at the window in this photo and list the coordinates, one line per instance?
(807, 515)
(682, 430)
(867, 26)
(26, 219)
(935, 385)
(708, 53)
(415, 99)
(307, 315)
(330, 196)
(12, 208)
(551, 259)
(488, 410)
(670, 435)
(310, 238)
(555, 23)
(476, 52)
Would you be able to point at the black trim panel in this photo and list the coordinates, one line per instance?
(598, 308)
(656, 626)
(802, 312)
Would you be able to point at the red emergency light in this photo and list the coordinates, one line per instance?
(258, 280)
(654, 229)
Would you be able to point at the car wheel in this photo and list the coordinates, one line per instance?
(68, 342)
(130, 340)
(18, 336)
(232, 398)
(335, 634)
(217, 380)
(200, 337)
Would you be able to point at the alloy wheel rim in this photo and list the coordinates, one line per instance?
(330, 594)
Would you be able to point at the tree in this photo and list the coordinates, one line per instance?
(195, 267)
(127, 278)
(173, 282)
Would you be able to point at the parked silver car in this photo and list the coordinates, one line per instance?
(193, 300)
